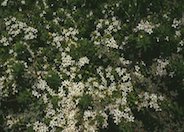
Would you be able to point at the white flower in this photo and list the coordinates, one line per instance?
(88, 114)
(42, 84)
(111, 43)
(82, 61)
(177, 33)
(4, 3)
(40, 127)
(145, 26)
(2, 79)
(35, 93)
(161, 67)
(10, 121)
(23, 2)
(4, 41)
(15, 27)
(150, 100)
(67, 60)
(176, 23)
(75, 89)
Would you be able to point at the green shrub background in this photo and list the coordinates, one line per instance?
(139, 47)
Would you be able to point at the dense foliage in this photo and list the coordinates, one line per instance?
(91, 65)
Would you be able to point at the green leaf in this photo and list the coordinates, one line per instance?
(85, 102)
(53, 80)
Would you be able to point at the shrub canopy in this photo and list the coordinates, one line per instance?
(91, 65)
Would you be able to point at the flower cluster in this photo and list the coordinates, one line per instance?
(83, 61)
(176, 23)
(71, 93)
(106, 36)
(67, 34)
(15, 27)
(150, 100)
(161, 67)
(4, 3)
(76, 66)
(11, 120)
(5, 41)
(40, 127)
(180, 47)
(145, 26)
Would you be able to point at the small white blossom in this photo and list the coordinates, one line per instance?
(40, 127)
(145, 26)
(150, 101)
(4, 3)
(83, 61)
(176, 23)
(10, 121)
(23, 2)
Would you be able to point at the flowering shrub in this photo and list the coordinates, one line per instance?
(87, 66)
